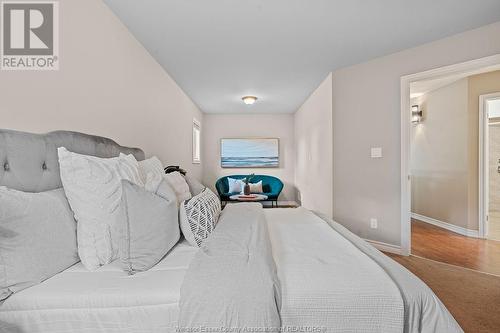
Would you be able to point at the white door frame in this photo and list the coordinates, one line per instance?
(469, 68)
(484, 163)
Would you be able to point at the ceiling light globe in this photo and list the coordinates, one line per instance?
(249, 100)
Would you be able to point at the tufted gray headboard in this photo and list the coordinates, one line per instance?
(28, 162)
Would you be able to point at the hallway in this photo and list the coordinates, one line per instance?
(441, 245)
(494, 226)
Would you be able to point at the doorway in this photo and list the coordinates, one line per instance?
(489, 165)
(469, 68)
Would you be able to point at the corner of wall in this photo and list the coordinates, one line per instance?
(313, 141)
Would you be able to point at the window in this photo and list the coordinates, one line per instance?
(196, 141)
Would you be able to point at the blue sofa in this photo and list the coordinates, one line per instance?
(271, 186)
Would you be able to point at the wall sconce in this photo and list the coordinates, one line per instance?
(416, 114)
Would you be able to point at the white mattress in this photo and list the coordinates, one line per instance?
(326, 282)
(107, 300)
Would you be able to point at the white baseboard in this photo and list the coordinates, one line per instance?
(287, 202)
(385, 247)
(448, 226)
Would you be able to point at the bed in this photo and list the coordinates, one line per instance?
(263, 269)
(332, 278)
(107, 300)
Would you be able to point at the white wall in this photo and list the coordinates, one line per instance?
(313, 149)
(107, 85)
(233, 126)
(439, 155)
(366, 113)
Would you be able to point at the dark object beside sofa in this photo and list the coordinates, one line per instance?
(271, 186)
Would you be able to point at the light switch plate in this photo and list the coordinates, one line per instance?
(373, 223)
(376, 152)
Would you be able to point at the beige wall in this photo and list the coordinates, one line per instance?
(313, 149)
(481, 84)
(107, 85)
(446, 203)
(494, 176)
(439, 156)
(367, 113)
(233, 126)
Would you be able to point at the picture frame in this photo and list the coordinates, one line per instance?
(249, 153)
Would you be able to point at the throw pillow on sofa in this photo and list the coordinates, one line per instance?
(254, 187)
(235, 185)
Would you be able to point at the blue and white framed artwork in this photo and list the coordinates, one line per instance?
(249, 153)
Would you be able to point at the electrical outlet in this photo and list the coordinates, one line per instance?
(373, 223)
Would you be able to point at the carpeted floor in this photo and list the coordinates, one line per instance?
(473, 298)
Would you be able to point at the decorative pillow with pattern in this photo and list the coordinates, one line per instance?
(198, 216)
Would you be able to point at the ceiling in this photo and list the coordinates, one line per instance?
(280, 50)
(419, 88)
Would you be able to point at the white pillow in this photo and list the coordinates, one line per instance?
(151, 172)
(195, 187)
(93, 188)
(150, 225)
(235, 185)
(180, 186)
(255, 187)
(37, 238)
(198, 216)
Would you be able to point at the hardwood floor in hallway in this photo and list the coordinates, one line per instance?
(441, 245)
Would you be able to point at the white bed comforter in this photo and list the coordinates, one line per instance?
(329, 280)
(107, 300)
(334, 281)
(231, 284)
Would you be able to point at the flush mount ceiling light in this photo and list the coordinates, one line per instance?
(249, 100)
